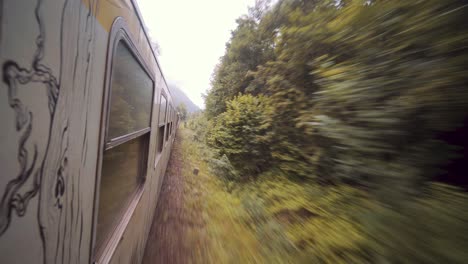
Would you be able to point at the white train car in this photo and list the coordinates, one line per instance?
(87, 128)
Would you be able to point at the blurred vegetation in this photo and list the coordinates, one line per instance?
(357, 101)
(198, 123)
(276, 219)
(182, 110)
(241, 133)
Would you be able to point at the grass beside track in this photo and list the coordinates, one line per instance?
(273, 219)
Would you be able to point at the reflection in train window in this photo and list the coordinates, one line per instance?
(131, 95)
(167, 125)
(127, 141)
(120, 170)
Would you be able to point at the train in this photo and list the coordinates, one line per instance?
(88, 123)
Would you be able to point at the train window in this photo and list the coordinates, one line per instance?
(118, 182)
(170, 127)
(162, 110)
(131, 95)
(161, 122)
(127, 140)
(167, 134)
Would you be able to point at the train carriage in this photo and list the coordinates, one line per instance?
(87, 128)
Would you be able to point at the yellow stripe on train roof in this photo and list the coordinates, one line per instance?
(105, 11)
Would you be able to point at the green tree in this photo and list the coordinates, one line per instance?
(369, 88)
(357, 92)
(242, 134)
(247, 49)
(182, 110)
(288, 81)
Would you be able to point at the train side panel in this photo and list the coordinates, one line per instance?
(53, 61)
(55, 58)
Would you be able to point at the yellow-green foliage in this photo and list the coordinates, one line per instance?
(241, 133)
(358, 92)
(199, 124)
(182, 110)
(271, 220)
(429, 229)
(275, 219)
(226, 238)
(321, 222)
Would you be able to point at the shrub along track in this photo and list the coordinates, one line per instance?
(198, 218)
(202, 219)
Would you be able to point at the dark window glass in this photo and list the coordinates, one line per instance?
(131, 95)
(122, 172)
(161, 123)
(160, 139)
(124, 160)
(167, 122)
(167, 134)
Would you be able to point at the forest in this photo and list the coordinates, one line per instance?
(346, 122)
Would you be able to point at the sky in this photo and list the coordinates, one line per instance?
(191, 35)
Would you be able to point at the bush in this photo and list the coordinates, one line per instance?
(223, 169)
(242, 134)
(199, 124)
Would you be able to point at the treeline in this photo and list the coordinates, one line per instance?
(362, 93)
(353, 91)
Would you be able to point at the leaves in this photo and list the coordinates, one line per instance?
(242, 134)
(357, 93)
(182, 110)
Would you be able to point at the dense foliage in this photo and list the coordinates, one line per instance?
(358, 91)
(182, 111)
(352, 92)
(241, 133)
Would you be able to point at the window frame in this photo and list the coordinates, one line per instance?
(113, 142)
(163, 94)
(158, 154)
(168, 121)
(103, 253)
(167, 127)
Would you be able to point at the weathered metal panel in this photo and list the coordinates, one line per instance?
(52, 55)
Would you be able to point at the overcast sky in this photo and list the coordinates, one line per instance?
(192, 35)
